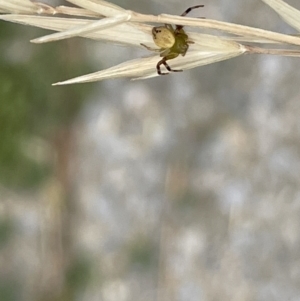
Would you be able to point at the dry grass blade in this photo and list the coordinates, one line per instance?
(74, 11)
(197, 60)
(125, 33)
(112, 23)
(206, 41)
(231, 28)
(83, 29)
(102, 7)
(19, 6)
(211, 49)
(145, 67)
(288, 13)
(281, 52)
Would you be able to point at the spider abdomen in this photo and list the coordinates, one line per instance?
(163, 37)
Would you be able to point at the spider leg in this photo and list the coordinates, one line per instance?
(150, 48)
(190, 9)
(178, 27)
(163, 62)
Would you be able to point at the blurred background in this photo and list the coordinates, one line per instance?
(183, 187)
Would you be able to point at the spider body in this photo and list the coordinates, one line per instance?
(171, 42)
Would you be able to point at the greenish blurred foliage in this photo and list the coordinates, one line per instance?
(6, 231)
(142, 254)
(186, 200)
(29, 106)
(78, 274)
(32, 110)
(77, 278)
(15, 168)
(9, 290)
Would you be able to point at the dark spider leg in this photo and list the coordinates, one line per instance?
(190, 9)
(178, 27)
(163, 62)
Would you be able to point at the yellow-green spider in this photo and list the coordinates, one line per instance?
(171, 42)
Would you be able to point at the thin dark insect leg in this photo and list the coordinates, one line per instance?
(169, 68)
(190, 9)
(158, 68)
(178, 27)
(163, 62)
